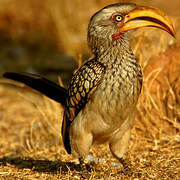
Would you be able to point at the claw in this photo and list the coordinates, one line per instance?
(82, 165)
(127, 170)
(84, 169)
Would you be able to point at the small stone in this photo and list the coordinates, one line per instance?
(177, 139)
(76, 177)
(92, 159)
(114, 164)
(142, 159)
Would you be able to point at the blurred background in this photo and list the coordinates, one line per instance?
(48, 37)
(45, 37)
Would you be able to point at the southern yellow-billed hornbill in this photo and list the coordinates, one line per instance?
(100, 103)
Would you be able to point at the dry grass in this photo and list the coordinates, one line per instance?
(30, 123)
(159, 105)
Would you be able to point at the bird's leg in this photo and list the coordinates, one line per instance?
(84, 169)
(81, 140)
(127, 170)
(82, 164)
(118, 147)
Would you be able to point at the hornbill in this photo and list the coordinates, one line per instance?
(100, 103)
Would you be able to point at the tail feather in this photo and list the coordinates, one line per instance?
(65, 134)
(41, 84)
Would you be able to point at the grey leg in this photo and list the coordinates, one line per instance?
(118, 146)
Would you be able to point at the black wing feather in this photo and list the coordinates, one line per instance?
(82, 86)
(41, 84)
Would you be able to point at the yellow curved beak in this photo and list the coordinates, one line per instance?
(144, 16)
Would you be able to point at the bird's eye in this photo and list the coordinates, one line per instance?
(118, 18)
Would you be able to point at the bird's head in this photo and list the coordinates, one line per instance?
(112, 22)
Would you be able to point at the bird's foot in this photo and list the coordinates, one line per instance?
(127, 170)
(85, 169)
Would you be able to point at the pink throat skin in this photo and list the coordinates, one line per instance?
(117, 36)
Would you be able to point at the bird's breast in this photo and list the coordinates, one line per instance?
(117, 95)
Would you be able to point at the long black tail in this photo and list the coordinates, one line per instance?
(41, 84)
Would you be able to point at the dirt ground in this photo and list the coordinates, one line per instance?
(31, 146)
(30, 123)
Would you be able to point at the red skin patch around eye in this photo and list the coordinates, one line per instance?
(119, 34)
(119, 25)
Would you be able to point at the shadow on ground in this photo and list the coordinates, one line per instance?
(39, 165)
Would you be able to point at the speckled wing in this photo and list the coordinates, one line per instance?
(82, 86)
